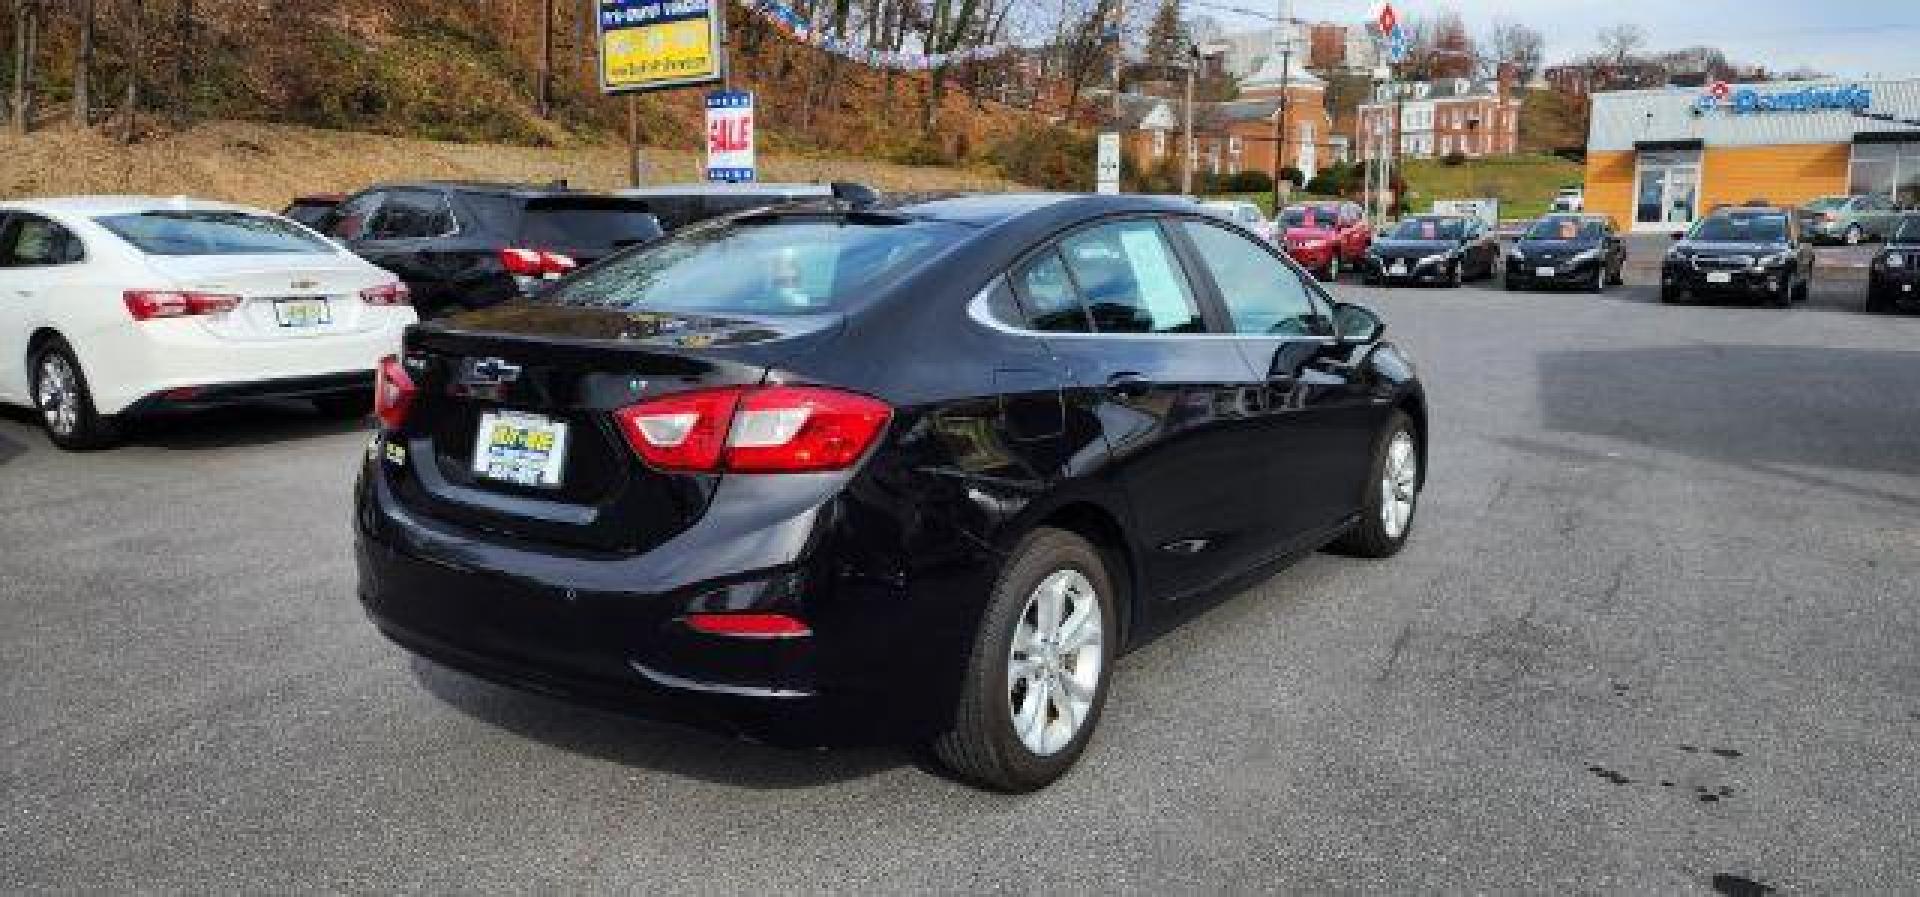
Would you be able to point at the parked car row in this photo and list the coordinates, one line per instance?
(116, 307)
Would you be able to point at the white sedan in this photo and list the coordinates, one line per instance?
(1245, 214)
(117, 306)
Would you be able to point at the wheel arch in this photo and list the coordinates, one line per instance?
(40, 337)
(1414, 406)
(1100, 526)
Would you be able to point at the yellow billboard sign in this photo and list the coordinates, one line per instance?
(651, 44)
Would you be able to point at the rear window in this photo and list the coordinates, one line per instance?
(1827, 203)
(213, 233)
(760, 265)
(600, 227)
(676, 212)
(1763, 227)
(1310, 216)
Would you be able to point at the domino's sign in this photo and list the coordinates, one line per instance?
(730, 136)
(1748, 100)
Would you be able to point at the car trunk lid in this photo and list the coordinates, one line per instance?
(282, 297)
(553, 376)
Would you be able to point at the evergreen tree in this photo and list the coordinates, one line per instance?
(1167, 40)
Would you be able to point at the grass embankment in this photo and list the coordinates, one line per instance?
(1524, 184)
(265, 165)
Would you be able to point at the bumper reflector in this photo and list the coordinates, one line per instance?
(749, 625)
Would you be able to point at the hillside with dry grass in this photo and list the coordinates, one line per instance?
(265, 165)
(252, 99)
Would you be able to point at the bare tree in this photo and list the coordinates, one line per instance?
(1515, 44)
(26, 46)
(83, 66)
(1619, 44)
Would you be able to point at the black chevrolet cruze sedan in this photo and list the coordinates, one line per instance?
(1745, 252)
(1433, 249)
(1893, 276)
(839, 472)
(1567, 250)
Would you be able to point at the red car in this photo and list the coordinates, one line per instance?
(1326, 237)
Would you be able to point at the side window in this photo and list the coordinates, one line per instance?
(1051, 301)
(1130, 279)
(410, 215)
(29, 241)
(1263, 295)
(349, 221)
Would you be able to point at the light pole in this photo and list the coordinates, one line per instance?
(1283, 33)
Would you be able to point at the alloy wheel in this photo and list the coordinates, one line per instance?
(58, 394)
(1399, 483)
(1053, 667)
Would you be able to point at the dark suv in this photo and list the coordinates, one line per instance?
(1894, 275)
(464, 246)
(1749, 252)
(839, 471)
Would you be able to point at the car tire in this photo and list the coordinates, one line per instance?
(1672, 295)
(65, 402)
(1853, 236)
(988, 744)
(1598, 283)
(1393, 485)
(1456, 276)
(1804, 288)
(1510, 284)
(1879, 301)
(344, 405)
(1619, 276)
(1780, 298)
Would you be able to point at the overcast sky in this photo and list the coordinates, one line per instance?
(1849, 38)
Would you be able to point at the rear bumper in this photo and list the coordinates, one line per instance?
(1312, 258)
(188, 398)
(135, 362)
(609, 630)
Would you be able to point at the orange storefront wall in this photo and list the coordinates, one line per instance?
(1786, 175)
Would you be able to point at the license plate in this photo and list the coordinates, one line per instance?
(1398, 268)
(519, 448)
(1906, 288)
(1543, 272)
(1719, 277)
(301, 312)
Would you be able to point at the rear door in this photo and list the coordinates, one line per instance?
(1313, 424)
(1125, 319)
(37, 255)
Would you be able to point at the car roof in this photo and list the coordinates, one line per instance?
(752, 189)
(87, 206)
(488, 188)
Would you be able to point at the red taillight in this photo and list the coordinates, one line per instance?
(395, 293)
(146, 305)
(772, 429)
(536, 262)
(747, 625)
(393, 393)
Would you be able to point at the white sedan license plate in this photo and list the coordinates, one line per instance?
(301, 312)
(519, 448)
(1543, 272)
(1398, 268)
(1719, 277)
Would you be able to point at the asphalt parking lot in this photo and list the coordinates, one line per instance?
(1657, 625)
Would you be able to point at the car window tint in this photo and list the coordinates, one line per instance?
(1052, 303)
(30, 241)
(1130, 280)
(1263, 294)
(412, 214)
(349, 220)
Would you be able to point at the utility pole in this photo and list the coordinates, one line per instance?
(1186, 171)
(1283, 32)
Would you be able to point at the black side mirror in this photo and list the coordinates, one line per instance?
(1357, 323)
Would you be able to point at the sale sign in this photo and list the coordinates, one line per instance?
(730, 136)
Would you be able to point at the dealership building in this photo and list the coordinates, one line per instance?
(1659, 159)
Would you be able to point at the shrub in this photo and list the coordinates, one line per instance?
(1454, 159)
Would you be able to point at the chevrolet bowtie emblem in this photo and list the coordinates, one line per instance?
(488, 372)
(304, 284)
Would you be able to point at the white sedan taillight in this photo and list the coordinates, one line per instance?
(147, 305)
(395, 293)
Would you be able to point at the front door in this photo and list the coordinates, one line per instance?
(1315, 424)
(1667, 190)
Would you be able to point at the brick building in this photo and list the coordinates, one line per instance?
(1442, 117)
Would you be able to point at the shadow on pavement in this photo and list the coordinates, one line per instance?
(238, 426)
(1756, 406)
(647, 744)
